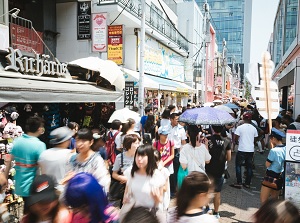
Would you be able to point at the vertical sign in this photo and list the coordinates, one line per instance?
(115, 44)
(84, 20)
(292, 167)
(99, 32)
(129, 94)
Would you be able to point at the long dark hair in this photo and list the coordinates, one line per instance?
(127, 125)
(145, 150)
(149, 123)
(192, 185)
(193, 131)
(33, 218)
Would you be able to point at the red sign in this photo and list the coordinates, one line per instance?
(115, 44)
(26, 39)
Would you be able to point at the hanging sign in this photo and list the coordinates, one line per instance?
(129, 94)
(83, 20)
(99, 32)
(115, 44)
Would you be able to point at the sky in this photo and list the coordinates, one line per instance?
(263, 15)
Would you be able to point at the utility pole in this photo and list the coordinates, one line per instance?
(205, 35)
(142, 58)
(224, 64)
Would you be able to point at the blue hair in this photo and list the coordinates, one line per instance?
(84, 189)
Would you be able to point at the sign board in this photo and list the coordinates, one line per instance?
(188, 69)
(129, 94)
(84, 20)
(115, 44)
(292, 183)
(99, 32)
(4, 37)
(293, 146)
(26, 39)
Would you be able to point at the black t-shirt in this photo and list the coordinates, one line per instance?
(217, 146)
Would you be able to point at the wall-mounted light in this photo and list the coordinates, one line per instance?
(14, 15)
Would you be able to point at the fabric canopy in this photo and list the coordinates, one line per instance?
(16, 87)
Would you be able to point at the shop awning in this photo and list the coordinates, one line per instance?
(155, 82)
(15, 87)
(170, 85)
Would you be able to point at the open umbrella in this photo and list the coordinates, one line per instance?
(206, 116)
(108, 69)
(231, 105)
(208, 104)
(123, 114)
(224, 108)
(217, 101)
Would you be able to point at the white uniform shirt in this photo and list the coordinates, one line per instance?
(176, 135)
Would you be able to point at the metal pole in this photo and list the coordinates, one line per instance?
(142, 50)
(203, 74)
(223, 68)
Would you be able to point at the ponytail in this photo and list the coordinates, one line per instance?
(193, 132)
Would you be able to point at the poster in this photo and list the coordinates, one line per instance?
(292, 182)
(292, 167)
(115, 44)
(84, 20)
(99, 32)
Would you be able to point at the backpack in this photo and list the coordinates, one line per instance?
(110, 146)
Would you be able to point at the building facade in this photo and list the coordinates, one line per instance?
(232, 22)
(285, 51)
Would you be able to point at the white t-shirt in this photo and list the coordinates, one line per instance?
(142, 185)
(177, 134)
(189, 154)
(54, 162)
(167, 195)
(246, 133)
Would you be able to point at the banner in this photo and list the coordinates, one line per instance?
(99, 32)
(115, 44)
(129, 94)
(26, 39)
(84, 20)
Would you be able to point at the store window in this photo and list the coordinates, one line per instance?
(290, 23)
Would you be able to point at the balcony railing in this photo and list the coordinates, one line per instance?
(153, 19)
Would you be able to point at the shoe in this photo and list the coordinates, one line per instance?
(247, 186)
(207, 210)
(217, 215)
(237, 185)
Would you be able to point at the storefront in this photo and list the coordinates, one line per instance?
(160, 92)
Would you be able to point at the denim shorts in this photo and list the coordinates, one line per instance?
(218, 183)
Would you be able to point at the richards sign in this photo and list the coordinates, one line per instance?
(39, 65)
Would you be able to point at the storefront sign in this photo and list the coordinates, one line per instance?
(83, 20)
(99, 32)
(26, 39)
(4, 36)
(292, 145)
(129, 94)
(115, 44)
(38, 65)
(162, 61)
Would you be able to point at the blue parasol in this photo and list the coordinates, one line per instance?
(206, 116)
(232, 106)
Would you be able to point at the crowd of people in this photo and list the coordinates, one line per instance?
(131, 172)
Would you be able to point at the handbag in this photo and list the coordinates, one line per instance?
(128, 205)
(181, 175)
(226, 174)
(116, 189)
(270, 182)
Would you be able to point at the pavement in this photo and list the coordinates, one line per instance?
(239, 205)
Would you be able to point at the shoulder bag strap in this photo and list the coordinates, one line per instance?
(196, 161)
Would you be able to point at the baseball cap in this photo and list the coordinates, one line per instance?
(247, 115)
(163, 130)
(42, 189)
(60, 135)
(277, 134)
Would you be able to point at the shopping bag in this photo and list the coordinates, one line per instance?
(181, 175)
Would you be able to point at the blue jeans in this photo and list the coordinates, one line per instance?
(240, 158)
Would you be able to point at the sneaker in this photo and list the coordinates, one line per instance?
(247, 186)
(217, 215)
(207, 210)
(237, 185)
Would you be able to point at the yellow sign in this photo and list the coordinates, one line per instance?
(115, 44)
